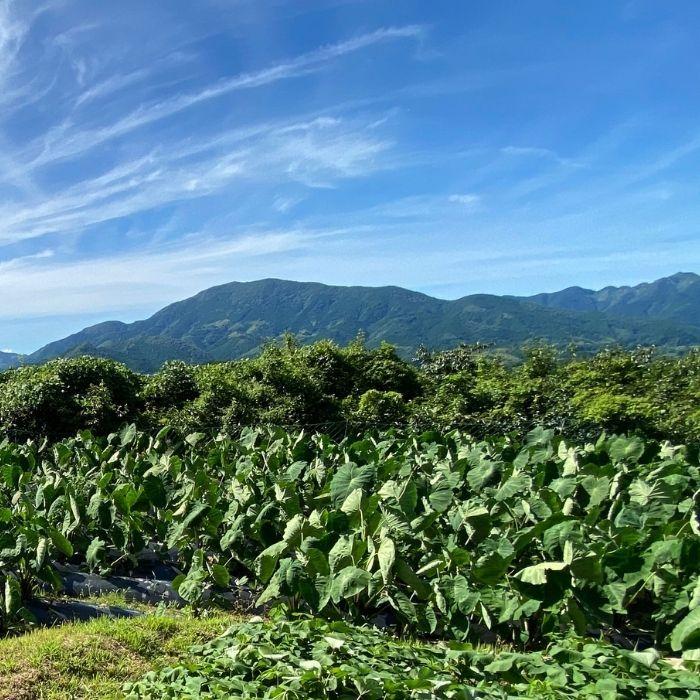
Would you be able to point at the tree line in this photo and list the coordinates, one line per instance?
(329, 387)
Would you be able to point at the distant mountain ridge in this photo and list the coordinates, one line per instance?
(233, 320)
(10, 359)
(674, 298)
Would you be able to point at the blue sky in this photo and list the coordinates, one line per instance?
(149, 150)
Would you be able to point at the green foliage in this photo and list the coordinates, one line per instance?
(381, 408)
(64, 396)
(171, 387)
(443, 534)
(314, 659)
(349, 389)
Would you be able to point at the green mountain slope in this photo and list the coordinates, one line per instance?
(233, 320)
(10, 359)
(675, 298)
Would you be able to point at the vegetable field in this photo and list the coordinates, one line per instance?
(433, 535)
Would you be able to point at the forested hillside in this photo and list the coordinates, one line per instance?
(675, 298)
(234, 320)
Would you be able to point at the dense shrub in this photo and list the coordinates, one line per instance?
(67, 395)
(469, 387)
(381, 408)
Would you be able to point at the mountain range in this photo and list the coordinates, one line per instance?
(233, 320)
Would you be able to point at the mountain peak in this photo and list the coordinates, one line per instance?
(674, 298)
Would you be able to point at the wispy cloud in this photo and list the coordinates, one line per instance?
(468, 201)
(536, 152)
(12, 33)
(316, 153)
(65, 141)
(30, 286)
(285, 204)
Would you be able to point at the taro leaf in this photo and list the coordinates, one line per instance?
(427, 618)
(500, 665)
(293, 530)
(353, 502)
(61, 543)
(441, 497)
(478, 477)
(695, 522)
(13, 595)
(221, 575)
(267, 560)
(408, 497)
(465, 598)
(539, 436)
(349, 582)
(616, 593)
(648, 657)
(193, 438)
(598, 489)
(588, 567)
(196, 512)
(124, 496)
(127, 434)
(232, 534)
(691, 655)
(41, 552)
(317, 561)
(155, 491)
(626, 449)
(686, 634)
(94, 553)
(348, 478)
(630, 516)
(643, 492)
(490, 570)
(518, 483)
(340, 552)
(405, 606)
(191, 587)
(406, 574)
(386, 556)
(537, 574)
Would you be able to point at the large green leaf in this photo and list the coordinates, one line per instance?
(386, 556)
(61, 542)
(626, 449)
(348, 478)
(349, 582)
(686, 634)
(537, 574)
(267, 560)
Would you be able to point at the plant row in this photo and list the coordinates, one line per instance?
(437, 534)
(314, 659)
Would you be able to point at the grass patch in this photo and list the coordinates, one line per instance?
(92, 660)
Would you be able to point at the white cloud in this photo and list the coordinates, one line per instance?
(536, 152)
(31, 287)
(468, 201)
(316, 153)
(12, 32)
(285, 204)
(64, 141)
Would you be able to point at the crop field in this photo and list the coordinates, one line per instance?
(396, 565)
